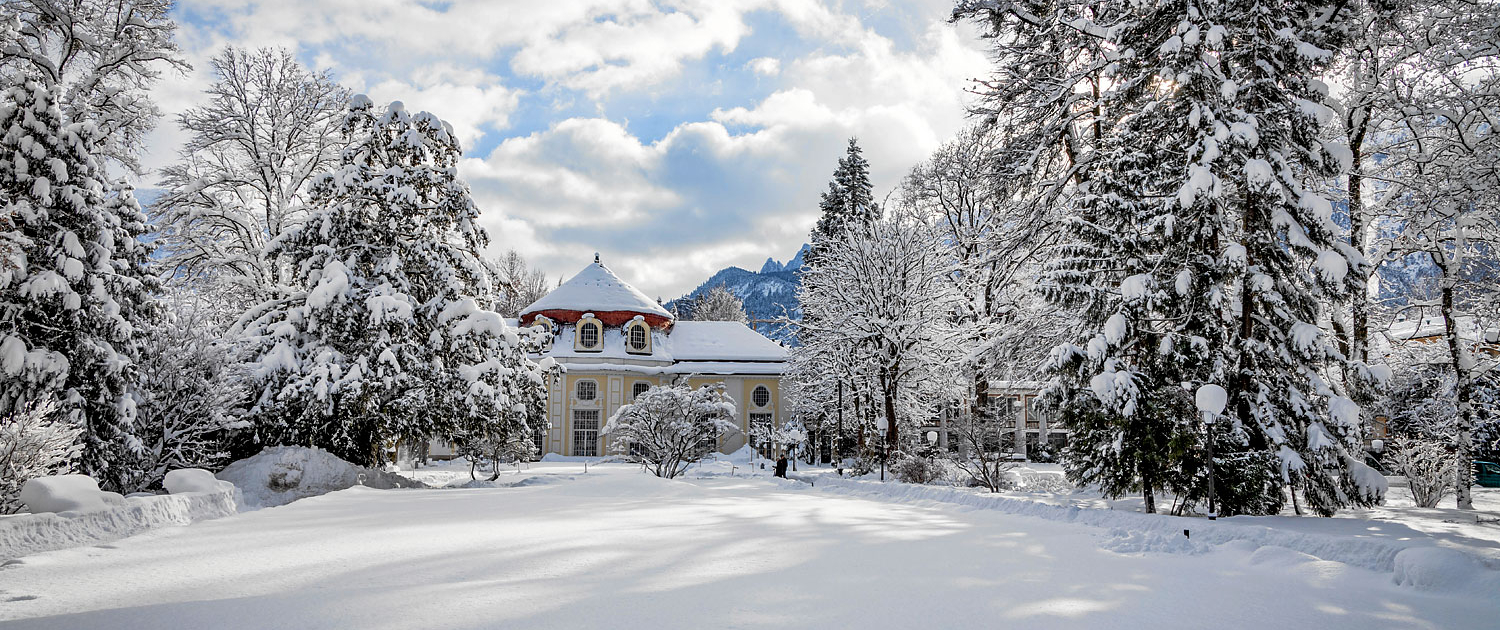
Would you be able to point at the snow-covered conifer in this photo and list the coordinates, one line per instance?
(77, 291)
(1200, 252)
(384, 337)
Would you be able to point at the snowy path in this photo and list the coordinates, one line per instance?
(615, 548)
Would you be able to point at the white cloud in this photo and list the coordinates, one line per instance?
(724, 182)
(765, 66)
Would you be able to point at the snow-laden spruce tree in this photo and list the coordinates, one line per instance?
(670, 427)
(384, 337)
(245, 173)
(1200, 253)
(77, 289)
(102, 55)
(719, 304)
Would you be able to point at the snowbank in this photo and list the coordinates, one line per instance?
(280, 475)
(66, 493)
(1423, 567)
(26, 534)
(187, 480)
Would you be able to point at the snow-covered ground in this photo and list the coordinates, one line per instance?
(552, 546)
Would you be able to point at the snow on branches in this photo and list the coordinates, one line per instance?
(670, 427)
(387, 335)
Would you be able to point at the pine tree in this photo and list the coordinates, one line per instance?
(78, 289)
(385, 337)
(849, 200)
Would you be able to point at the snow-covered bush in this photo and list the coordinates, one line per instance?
(915, 468)
(980, 454)
(33, 444)
(1429, 468)
(191, 393)
(671, 427)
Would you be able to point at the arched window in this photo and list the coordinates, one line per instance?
(760, 396)
(589, 333)
(586, 390)
(638, 337)
(638, 388)
(543, 321)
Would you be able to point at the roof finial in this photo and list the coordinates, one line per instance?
(596, 257)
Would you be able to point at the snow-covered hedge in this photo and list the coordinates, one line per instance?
(108, 516)
(1414, 565)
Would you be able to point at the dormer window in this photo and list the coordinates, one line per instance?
(590, 334)
(545, 322)
(638, 336)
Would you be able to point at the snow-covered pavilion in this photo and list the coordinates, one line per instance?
(616, 343)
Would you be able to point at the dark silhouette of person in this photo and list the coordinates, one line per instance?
(781, 466)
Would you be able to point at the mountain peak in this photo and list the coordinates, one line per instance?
(771, 266)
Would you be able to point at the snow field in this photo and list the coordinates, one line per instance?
(560, 548)
(1413, 559)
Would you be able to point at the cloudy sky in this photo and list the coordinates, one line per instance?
(675, 137)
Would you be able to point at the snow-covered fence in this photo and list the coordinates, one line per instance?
(26, 534)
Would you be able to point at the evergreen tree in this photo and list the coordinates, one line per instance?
(385, 337)
(1200, 254)
(78, 285)
(849, 200)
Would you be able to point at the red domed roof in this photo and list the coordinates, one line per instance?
(599, 291)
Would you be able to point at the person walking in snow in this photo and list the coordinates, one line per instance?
(781, 466)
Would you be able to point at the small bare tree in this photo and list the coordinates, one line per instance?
(1428, 467)
(671, 427)
(34, 442)
(980, 454)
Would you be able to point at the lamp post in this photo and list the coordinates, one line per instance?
(884, 451)
(1211, 400)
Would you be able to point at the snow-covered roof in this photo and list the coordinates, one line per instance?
(596, 289)
(722, 341)
(706, 347)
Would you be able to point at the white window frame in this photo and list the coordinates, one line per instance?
(578, 335)
(769, 398)
(587, 435)
(645, 330)
(578, 387)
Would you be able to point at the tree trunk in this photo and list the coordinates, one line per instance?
(888, 393)
(1464, 394)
